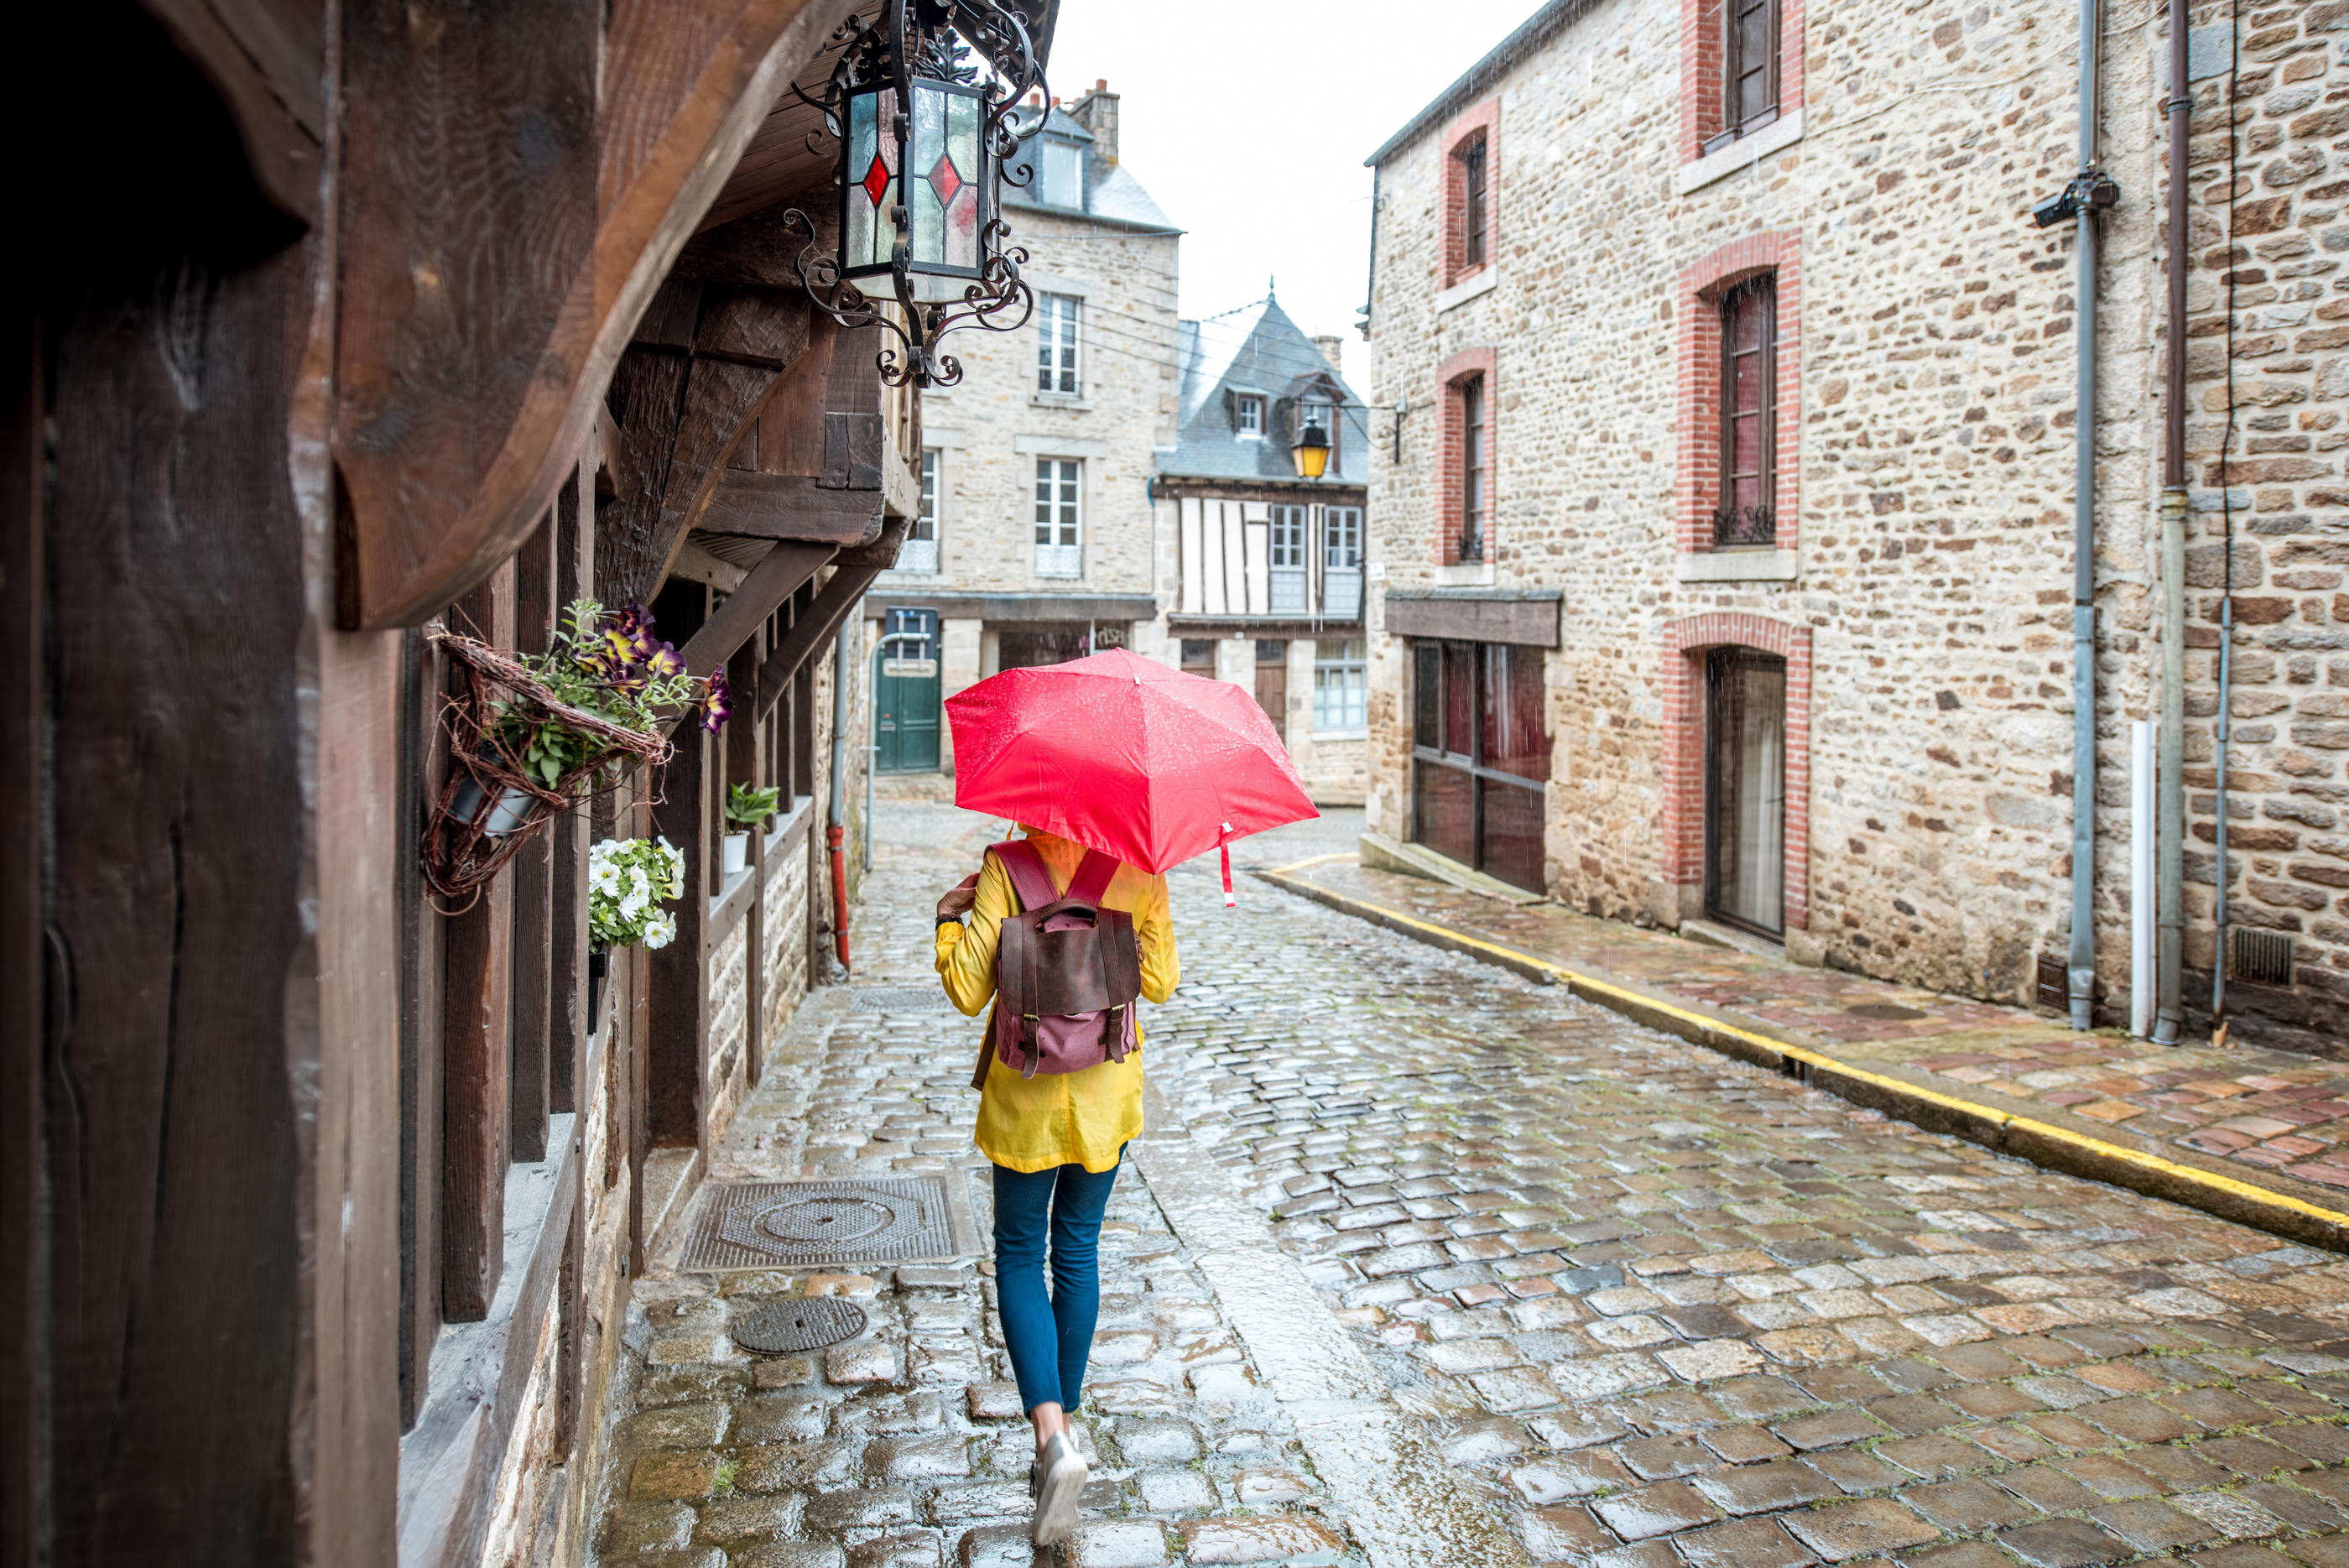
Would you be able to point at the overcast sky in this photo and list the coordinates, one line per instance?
(1249, 119)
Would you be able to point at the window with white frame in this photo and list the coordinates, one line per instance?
(1340, 686)
(920, 552)
(1287, 585)
(1056, 344)
(1247, 415)
(1060, 517)
(1341, 562)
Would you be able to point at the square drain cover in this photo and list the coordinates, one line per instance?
(798, 1224)
(899, 999)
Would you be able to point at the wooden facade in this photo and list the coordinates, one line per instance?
(345, 319)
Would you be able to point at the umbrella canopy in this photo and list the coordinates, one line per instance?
(1123, 756)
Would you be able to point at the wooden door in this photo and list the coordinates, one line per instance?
(1272, 683)
(905, 711)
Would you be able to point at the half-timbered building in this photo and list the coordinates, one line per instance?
(321, 1193)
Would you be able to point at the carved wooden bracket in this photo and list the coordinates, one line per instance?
(501, 236)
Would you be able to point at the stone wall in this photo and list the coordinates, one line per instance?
(2288, 790)
(990, 429)
(1931, 557)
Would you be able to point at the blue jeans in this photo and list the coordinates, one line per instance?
(1049, 1338)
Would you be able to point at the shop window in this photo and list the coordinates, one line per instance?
(1480, 751)
(1340, 686)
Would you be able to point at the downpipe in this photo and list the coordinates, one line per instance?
(2170, 830)
(2081, 967)
(835, 834)
(2218, 874)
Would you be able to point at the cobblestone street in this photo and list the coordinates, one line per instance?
(1421, 1263)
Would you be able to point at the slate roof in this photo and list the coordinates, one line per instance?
(1111, 195)
(1257, 350)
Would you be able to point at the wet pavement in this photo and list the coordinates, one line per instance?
(2259, 1112)
(1421, 1262)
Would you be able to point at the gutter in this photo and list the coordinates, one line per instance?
(2170, 831)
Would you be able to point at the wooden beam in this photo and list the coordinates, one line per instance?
(770, 582)
(647, 400)
(839, 595)
(678, 973)
(490, 283)
(24, 1452)
(575, 578)
(476, 1050)
(792, 507)
(262, 56)
(533, 1019)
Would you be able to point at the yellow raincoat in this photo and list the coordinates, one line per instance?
(1061, 1119)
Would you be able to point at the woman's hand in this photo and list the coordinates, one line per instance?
(959, 899)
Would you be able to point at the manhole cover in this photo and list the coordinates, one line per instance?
(760, 1224)
(899, 999)
(806, 1324)
(1888, 1011)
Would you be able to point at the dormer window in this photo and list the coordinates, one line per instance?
(1247, 415)
(1062, 176)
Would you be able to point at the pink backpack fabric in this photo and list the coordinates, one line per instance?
(1067, 970)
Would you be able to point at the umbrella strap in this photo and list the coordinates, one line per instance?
(1225, 849)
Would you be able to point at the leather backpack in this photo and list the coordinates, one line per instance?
(1067, 970)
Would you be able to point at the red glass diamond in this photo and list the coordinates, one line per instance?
(945, 181)
(876, 181)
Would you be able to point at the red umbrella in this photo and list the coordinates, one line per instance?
(1126, 757)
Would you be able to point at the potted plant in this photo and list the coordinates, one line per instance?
(628, 881)
(534, 734)
(747, 810)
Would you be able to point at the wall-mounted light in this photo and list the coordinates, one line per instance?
(925, 150)
(1311, 451)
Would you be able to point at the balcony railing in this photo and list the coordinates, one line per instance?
(1059, 560)
(1733, 526)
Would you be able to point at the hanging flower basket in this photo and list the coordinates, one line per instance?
(532, 737)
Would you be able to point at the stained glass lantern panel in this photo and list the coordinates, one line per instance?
(943, 181)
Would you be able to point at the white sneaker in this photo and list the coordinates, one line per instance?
(1061, 1480)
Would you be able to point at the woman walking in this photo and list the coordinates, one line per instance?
(1055, 1130)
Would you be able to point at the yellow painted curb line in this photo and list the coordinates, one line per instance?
(1316, 860)
(2240, 1191)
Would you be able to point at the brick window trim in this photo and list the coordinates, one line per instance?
(1486, 118)
(1451, 451)
(1699, 394)
(1686, 643)
(1702, 107)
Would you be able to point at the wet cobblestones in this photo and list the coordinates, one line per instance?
(1658, 1308)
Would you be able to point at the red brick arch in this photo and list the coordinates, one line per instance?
(1686, 642)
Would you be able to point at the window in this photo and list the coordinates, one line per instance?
(1480, 750)
(1473, 202)
(1472, 496)
(920, 553)
(1060, 487)
(1247, 415)
(1747, 511)
(1341, 538)
(1341, 562)
(1750, 58)
(1286, 583)
(1056, 344)
(1340, 686)
(1063, 174)
(1199, 657)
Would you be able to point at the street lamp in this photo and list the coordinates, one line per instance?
(924, 148)
(1311, 451)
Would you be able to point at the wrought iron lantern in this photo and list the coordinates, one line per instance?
(1311, 451)
(925, 145)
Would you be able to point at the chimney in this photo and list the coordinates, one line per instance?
(1097, 112)
(1333, 348)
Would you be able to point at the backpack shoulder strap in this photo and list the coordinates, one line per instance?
(1031, 879)
(1094, 874)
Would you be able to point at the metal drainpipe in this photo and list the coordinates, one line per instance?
(2169, 833)
(2082, 966)
(2219, 873)
(835, 834)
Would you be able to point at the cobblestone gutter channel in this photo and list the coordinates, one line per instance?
(1419, 1263)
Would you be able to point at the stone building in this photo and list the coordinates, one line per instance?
(1260, 569)
(1034, 543)
(1727, 535)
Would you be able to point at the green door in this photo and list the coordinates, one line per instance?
(906, 713)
